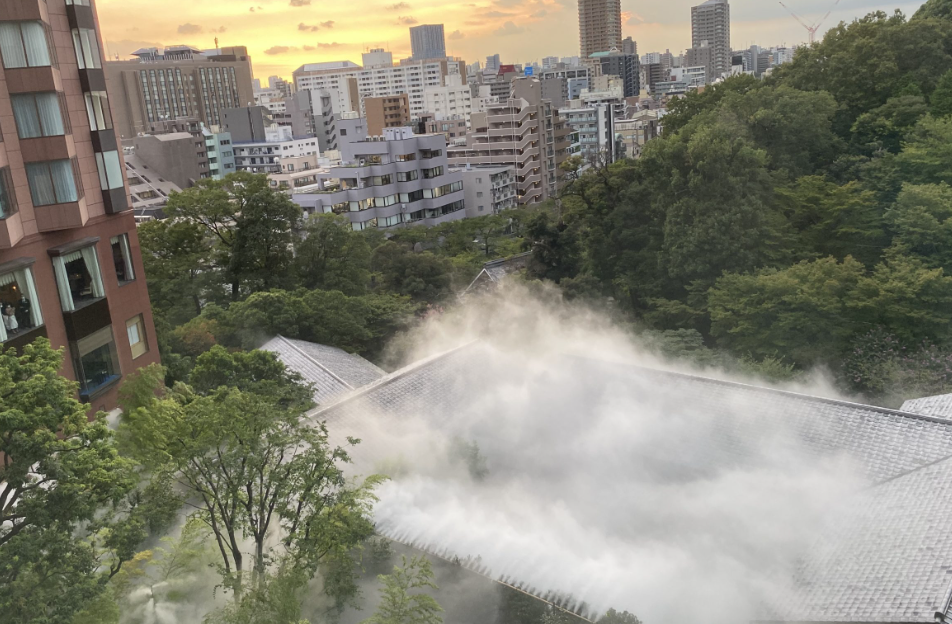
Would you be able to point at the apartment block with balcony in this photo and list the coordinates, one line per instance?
(399, 180)
(488, 189)
(593, 128)
(265, 156)
(70, 268)
(392, 111)
(523, 131)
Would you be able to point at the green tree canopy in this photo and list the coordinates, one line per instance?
(423, 276)
(332, 256)
(403, 600)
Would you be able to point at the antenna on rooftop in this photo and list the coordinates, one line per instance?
(813, 27)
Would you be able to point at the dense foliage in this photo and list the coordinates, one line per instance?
(786, 218)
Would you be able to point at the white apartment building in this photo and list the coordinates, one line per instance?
(593, 131)
(374, 80)
(452, 101)
(265, 156)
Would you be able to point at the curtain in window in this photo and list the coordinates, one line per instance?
(41, 186)
(24, 112)
(123, 241)
(87, 48)
(92, 265)
(78, 46)
(51, 118)
(11, 47)
(37, 50)
(28, 290)
(62, 282)
(62, 171)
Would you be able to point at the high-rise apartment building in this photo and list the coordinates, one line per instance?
(701, 56)
(625, 66)
(524, 131)
(427, 42)
(70, 268)
(629, 46)
(392, 111)
(599, 26)
(711, 22)
(179, 81)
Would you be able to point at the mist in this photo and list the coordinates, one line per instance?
(604, 482)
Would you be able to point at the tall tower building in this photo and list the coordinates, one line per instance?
(711, 22)
(70, 268)
(599, 26)
(427, 42)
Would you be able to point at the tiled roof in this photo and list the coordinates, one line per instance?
(887, 554)
(332, 371)
(939, 405)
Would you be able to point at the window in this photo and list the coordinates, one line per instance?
(479, 180)
(432, 173)
(110, 170)
(24, 44)
(38, 114)
(8, 201)
(52, 182)
(87, 48)
(405, 157)
(343, 132)
(78, 278)
(95, 360)
(479, 193)
(135, 329)
(18, 303)
(97, 107)
(407, 176)
(480, 208)
(122, 258)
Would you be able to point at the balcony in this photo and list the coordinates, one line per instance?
(24, 10)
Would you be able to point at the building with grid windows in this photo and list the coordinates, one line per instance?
(179, 81)
(70, 268)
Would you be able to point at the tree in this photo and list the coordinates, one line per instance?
(683, 109)
(423, 276)
(939, 9)
(399, 605)
(332, 256)
(555, 252)
(922, 221)
(885, 127)
(60, 472)
(258, 372)
(802, 312)
(176, 257)
(250, 224)
(614, 617)
(940, 102)
(927, 152)
(254, 470)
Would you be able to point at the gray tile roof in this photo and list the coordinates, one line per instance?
(939, 405)
(333, 371)
(887, 556)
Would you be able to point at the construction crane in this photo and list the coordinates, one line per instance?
(816, 25)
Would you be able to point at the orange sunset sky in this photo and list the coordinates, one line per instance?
(284, 34)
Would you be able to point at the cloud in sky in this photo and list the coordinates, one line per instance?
(307, 27)
(407, 20)
(507, 29)
(328, 46)
(328, 24)
(456, 35)
(275, 50)
(400, 6)
(299, 3)
(189, 29)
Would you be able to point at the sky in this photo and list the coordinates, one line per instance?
(282, 35)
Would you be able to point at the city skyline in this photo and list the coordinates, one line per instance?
(283, 34)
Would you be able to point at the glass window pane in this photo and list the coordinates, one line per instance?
(114, 172)
(18, 303)
(34, 39)
(11, 45)
(41, 184)
(25, 115)
(96, 360)
(51, 117)
(63, 183)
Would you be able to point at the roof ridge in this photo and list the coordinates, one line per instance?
(288, 342)
(728, 382)
(397, 374)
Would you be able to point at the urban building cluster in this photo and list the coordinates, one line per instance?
(184, 114)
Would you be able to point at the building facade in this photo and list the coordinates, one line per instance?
(593, 128)
(711, 22)
(427, 42)
(488, 189)
(524, 131)
(625, 66)
(265, 156)
(452, 101)
(392, 111)
(599, 26)
(178, 81)
(402, 179)
(70, 268)
(702, 55)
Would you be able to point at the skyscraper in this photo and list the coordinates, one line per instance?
(427, 42)
(599, 26)
(711, 22)
(629, 46)
(70, 268)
